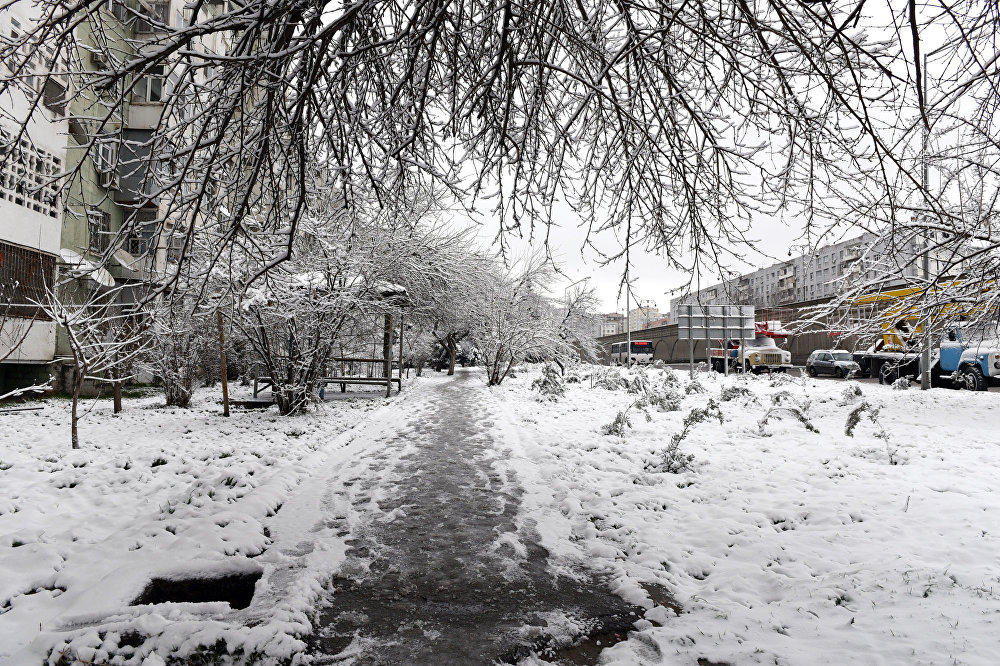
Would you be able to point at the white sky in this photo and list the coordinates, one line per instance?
(650, 276)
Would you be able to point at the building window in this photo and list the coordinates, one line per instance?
(28, 176)
(175, 244)
(26, 278)
(149, 87)
(142, 239)
(153, 19)
(99, 223)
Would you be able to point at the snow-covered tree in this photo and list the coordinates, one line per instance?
(106, 333)
(513, 321)
(673, 123)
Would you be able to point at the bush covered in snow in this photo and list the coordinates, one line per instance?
(730, 393)
(610, 379)
(798, 413)
(851, 393)
(550, 384)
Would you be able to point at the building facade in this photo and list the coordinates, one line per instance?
(611, 323)
(31, 207)
(640, 317)
(814, 276)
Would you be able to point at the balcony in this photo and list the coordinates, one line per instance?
(54, 96)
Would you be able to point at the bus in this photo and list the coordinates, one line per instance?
(642, 352)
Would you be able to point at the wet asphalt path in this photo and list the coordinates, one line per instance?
(443, 574)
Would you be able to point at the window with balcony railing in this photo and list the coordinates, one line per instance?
(142, 240)
(99, 226)
(26, 276)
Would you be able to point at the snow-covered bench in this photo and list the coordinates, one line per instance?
(345, 371)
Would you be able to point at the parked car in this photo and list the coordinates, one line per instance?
(835, 362)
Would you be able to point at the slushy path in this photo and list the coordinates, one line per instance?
(442, 574)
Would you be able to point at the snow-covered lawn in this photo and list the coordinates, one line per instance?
(782, 545)
(165, 493)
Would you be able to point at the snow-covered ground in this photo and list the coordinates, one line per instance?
(159, 492)
(781, 544)
(784, 546)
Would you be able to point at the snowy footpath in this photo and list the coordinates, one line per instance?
(716, 521)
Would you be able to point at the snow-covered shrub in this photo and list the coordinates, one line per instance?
(672, 460)
(782, 397)
(901, 384)
(782, 379)
(577, 374)
(777, 412)
(850, 394)
(694, 386)
(695, 416)
(639, 384)
(854, 419)
(665, 397)
(622, 420)
(670, 376)
(610, 379)
(550, 384)
(736, 392)
(619, 425)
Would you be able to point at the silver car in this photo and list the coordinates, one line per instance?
(835, 362)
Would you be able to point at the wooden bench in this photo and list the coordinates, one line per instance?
(371, 378)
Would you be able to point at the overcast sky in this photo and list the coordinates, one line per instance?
(649, 274)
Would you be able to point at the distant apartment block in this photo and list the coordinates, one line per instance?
(610, 324)
(813, 276)
(640, 317)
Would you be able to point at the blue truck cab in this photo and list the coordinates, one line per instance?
(970, 358)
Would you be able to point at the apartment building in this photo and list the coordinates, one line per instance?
(610, 324)
(31, 207)
(640, 317)
(813, 276)
(662, 321)
(107, 214)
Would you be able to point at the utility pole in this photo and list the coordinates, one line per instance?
(628, 319)
(925, 352)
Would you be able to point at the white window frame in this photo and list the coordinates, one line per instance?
(145, 83)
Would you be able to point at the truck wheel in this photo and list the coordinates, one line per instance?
(887, 375)
(972, 378)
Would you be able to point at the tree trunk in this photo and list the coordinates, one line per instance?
(452, 353)
(387, 355)
(117, 391)
(74, 415)
(222, 364)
